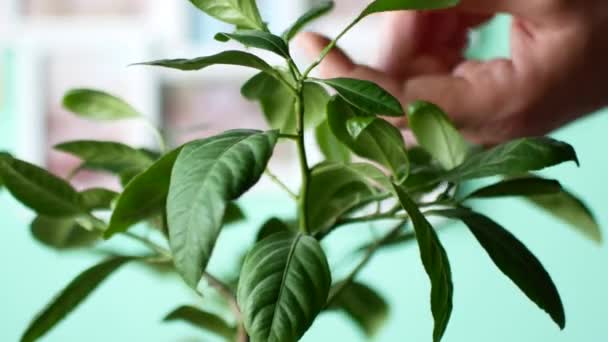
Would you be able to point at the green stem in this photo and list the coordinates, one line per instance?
(162, 145)
(293, 137)
(329, 47)
(148, 243)
(282, 185)
(304, 168)
(366, 259)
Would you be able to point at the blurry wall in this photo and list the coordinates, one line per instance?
(37, 69)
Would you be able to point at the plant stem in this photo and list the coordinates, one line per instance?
(366, 259)
(293, 137)
(329, 47)
(149, 243)
(282, 185)
(162, 145)
(304, 168)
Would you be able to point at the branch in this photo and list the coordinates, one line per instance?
(366, 259)
(282, 185)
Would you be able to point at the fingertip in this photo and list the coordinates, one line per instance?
(312, 43)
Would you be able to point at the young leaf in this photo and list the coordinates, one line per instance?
(39, 190)
(278, 102)
(366, 96)
(107, 156)
(514, 260)
(62, 233)
(207, 175)
(527, 186)
(400, 5)
(201, 319)
(330, 146)
(70, 297)
(242, 13)
(144, 197)
(436, 264)
(98, 105)
(313, 14)
(257, 39)
(379, 141)
(270, 227)
(334, 189)
(363, 305)
(516, 157)
(284, 284)
(98, 199)
(571, 210)
(223, 58)
(435, 133)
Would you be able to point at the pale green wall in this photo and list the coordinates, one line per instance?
(487, 307)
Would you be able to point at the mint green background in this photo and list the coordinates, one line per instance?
(487, 306)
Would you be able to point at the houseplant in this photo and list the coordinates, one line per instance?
(187, 192)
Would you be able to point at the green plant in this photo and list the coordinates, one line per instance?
(187, 194)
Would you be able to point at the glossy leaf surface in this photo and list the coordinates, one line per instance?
(144, 197)
(436, 263)
(366, 96)
(207, 175)
(284, 285)
(515, 260)
(98, 105)
(40, 190)
(242, 13)
(436, 134)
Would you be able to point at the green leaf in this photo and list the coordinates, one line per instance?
(278, 102)
(366, 96)
(313, 14)
(363, 305)
(334, 190)
(516, 157)
(242, 13)
(257, 39)
(332, 148)
(435, 133)
(358, 124)
(207, 175)
(240, 58)
(201, 319)
(270, 227)
(379, 141)
(400, 5)
(39, 190)
(107, 156)
(70, 297)
(527, 186)
(284, 285)
(144, 197)
(514, 260)
(571, 210)
(98, 198)
(436, 264)
(233, 214)
(62, 233)
(98, 105)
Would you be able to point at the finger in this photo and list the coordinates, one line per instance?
(338, 64)
(524, 8)
(401, 38)
(477, 96)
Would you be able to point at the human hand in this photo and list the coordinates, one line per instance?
(557, 70)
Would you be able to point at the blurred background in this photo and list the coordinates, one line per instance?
(50, 46)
